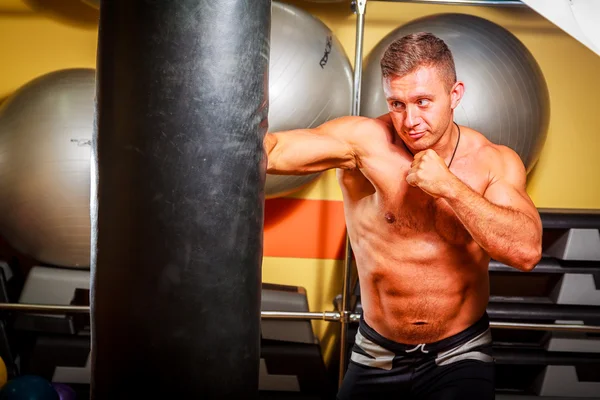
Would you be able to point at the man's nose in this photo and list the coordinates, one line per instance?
(411, 118)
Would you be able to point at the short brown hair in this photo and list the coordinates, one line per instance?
(422, 49)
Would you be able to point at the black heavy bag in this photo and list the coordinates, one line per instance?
(178, 197)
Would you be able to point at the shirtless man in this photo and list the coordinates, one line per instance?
(427, 203)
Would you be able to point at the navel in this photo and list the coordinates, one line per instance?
(389, 217)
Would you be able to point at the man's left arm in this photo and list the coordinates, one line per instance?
(503, 221)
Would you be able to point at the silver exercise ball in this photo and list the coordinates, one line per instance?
(310, 81)
(506, 97)
(45, 142)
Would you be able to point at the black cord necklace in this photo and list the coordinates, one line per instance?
(453, 153)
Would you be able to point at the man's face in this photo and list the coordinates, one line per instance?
(421, 106)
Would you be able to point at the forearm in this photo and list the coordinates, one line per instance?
(269, 142)
(507, 235)
(286, 151)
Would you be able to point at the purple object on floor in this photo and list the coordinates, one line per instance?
(65, 392)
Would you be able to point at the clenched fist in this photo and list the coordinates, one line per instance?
(428, 172)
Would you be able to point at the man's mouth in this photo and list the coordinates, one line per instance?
(416, 135)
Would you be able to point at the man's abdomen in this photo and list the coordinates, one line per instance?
(422, 298)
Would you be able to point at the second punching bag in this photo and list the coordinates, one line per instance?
(177, 198)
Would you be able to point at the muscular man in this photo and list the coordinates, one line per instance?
(427, 203)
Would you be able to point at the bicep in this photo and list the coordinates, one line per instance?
(508, 185)
(331, 145)
(504, 193)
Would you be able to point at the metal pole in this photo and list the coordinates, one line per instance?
(333, 316)
(546, 327)
(68, 309)
(360, 7)
(45, 308)
(345, 310)
(325, 315)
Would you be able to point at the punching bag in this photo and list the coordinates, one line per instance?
(178, 174)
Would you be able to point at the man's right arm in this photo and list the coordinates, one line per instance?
(306, 151)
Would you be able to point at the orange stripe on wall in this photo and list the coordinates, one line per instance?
(300, 228)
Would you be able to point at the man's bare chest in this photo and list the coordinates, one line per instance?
(383, 196)
(412, 211)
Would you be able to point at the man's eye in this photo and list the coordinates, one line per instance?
(397, 104)
(423, 102)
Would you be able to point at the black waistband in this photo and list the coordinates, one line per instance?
(435, 347)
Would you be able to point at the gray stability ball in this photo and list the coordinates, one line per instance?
(310, 81)
(506, 97)
(45, 143)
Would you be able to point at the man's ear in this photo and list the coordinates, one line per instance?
(456, 94)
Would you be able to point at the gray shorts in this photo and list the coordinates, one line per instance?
(458, 367)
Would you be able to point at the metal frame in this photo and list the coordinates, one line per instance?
(359, 8)
(334, 316)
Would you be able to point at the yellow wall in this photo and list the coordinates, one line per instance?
(34, 41)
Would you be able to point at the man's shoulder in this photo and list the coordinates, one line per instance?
(490, 151)
(365, 128)
(501, 156)
(499, 160)
(359, 122)
(383, 122)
